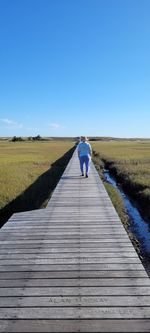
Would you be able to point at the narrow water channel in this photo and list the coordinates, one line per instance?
(138, 226)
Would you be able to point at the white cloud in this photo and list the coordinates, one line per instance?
(55, 126)
(11, 124)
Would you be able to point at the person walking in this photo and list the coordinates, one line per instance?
(84, 154)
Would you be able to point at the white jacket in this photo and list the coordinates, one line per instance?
(84, 148)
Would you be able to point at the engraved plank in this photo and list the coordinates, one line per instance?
(78, 325)
(76, 313)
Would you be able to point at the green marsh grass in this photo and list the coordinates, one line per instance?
(118, 203)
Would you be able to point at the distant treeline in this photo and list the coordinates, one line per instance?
(38, 138)
(30, 138)
(90, 138)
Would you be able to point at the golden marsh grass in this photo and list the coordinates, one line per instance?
(21, 163)
(131, 160)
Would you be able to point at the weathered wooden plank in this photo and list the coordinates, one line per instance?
(62, 231)
(74, 301)
(91, 245)
(71, 267)
(115, 274)
(64, 236)
(60, 255)
(76, 313)
(58, 218)
(63, 220)
(43, 282)
(123, 250)
(75, 291)
(75, 241)
(78, 325)
(70, 261)
(53, 226)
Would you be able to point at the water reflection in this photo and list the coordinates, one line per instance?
(138, 226)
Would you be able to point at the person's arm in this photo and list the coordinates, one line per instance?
(90, 150)
(78, 150)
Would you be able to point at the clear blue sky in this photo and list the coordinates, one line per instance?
(75, 67)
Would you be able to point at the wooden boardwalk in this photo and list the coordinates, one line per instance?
(71, 267)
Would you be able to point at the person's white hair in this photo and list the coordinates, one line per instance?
(83, 138)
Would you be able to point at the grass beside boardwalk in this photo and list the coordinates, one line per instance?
(21, 163)
(129, 161)
(118, 203)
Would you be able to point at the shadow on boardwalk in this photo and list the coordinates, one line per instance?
(37, 194)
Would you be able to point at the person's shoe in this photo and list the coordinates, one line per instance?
(86, 176)
(82, 175)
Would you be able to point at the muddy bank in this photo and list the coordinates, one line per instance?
(37, 194)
